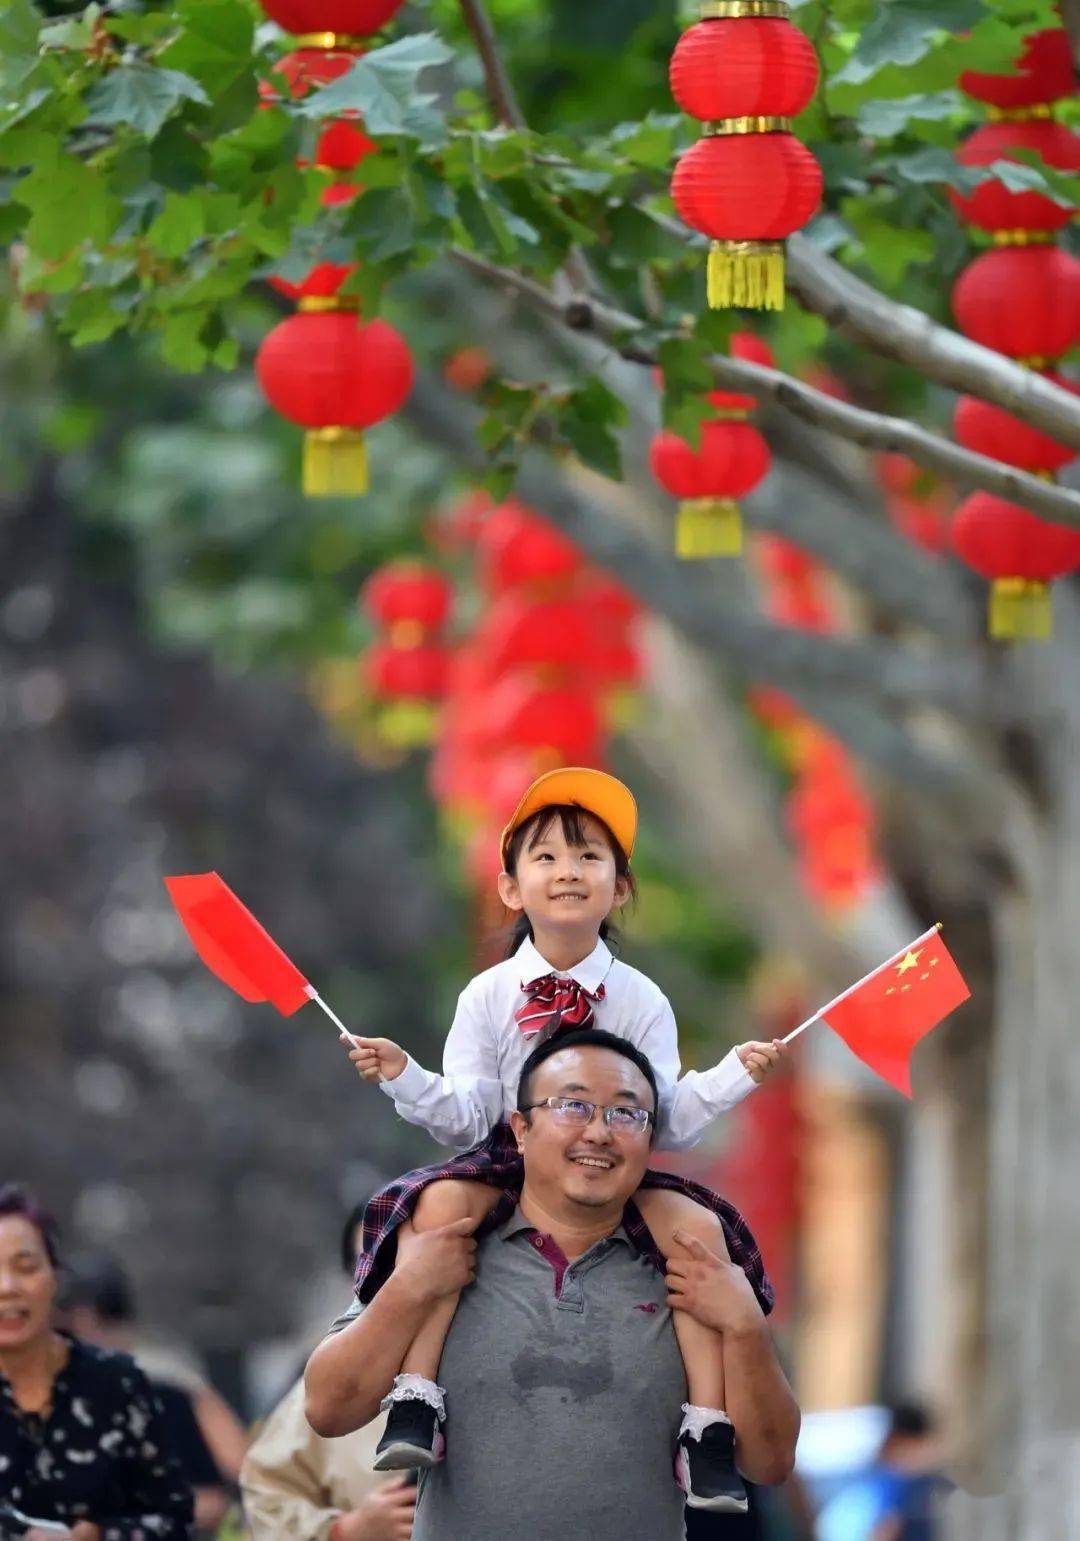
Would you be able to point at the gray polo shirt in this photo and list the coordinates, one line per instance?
(563, 1391)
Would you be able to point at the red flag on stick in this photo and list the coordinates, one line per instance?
(233, 944)
(884, 1016)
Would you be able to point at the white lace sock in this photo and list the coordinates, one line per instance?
(697, 1419)
(416, 1388)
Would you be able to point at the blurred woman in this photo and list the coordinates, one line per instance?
(80, 1435)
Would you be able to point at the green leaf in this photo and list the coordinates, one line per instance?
(382, 222)
(142, 96)
(69, 202)
(650, 144)
(904, 31)
(77, 32)
(588, 419)
(180, 224)
(936, 165)
(214, 46)
(883, 119)
(19, 23)
(382, 86)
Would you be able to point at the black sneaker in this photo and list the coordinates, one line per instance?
(412, 1438)
(705, 1470)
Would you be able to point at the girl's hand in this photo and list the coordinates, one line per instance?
(759, 1060)
(377, 1059)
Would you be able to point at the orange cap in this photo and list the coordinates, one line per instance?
(594, 791)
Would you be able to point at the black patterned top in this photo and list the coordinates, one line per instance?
(98, 1454)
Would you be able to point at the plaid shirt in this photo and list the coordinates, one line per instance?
(496, 1161)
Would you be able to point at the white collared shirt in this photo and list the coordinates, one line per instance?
(485, 1050)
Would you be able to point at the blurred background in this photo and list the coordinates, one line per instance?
(335, 703)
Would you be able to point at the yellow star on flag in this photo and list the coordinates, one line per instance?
(909, 960)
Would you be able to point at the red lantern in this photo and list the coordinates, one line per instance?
(1021, 554)
(732, 460)
(334, 377)
(345, 18)
(1021, 300)
(747, 192)
(1043, 73)
(992, 206)
(743, 67)
(923, 521)
(305, 69)
(466, 370)
(548, 634)
(407, 673)
(323, 282)
(518, 713)
(408, 594)
(990, 431)
(749, 183)
(518, 549)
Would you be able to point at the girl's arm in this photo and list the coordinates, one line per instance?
(688, 1105)
(463, 1105)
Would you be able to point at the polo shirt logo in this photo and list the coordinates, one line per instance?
(650, 1306)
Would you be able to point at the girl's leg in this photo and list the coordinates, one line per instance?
(441, 1204)
(417, 1411)
(705, 1463)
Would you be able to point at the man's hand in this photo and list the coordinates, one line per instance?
(384, 1515)
(377, 1059)
(431, 1264)
(759, 1060)
(710, 1289)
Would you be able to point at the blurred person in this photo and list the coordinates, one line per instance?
(83, 1449)
(898, 1497)
(297, 1485)
(97, 1304)
(566, 871)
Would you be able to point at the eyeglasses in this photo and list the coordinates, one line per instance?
(577, 1114)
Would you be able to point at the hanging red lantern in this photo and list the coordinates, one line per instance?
(923, 521)
(339, 19)
(322, 282)
(553, 636)
(334, 377)
(306, 69)
(1021, 300)
(988, 430)
(1043, 73)
(746, 72)
(408, 673)
(747, 192)
(466, 370)
(518, 549)
(408, 593)
(745, 67)
(733, 458)
(1020, 554)
(518, 713)
(992, 206)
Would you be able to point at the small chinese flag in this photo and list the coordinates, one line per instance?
(233, 944)
(883, 1017)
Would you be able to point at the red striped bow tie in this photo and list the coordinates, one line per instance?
(553, 1003)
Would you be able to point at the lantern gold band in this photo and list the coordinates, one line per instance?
(736, 10)
(1023, 237)
(344, 41)
(1020, 114)
(1033, 361)
(321, 304)
(724, 126)
(729, 415)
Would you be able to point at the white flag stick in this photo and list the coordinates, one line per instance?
(824, 1010)
(314, 995)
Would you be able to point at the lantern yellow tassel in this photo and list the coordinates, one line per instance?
(708, 527)
(747, 275)
(335, 463)
(408, 724)
(1020, 610)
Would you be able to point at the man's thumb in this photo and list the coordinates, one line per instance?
(463, 1227)
(695, 1247)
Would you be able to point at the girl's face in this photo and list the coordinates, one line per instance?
(27, 1283)
(563, 886)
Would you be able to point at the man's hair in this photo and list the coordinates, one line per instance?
(14, 1200)
(584, 1038)
(100, 1282)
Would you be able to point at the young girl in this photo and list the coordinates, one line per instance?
(565, 854)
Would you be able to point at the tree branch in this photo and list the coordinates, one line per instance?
(499, 87)
(1070, 18)
(903, 333)
(871, 430)
(588, 510)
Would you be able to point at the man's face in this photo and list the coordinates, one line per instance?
(559, 885)
(590, 1166)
